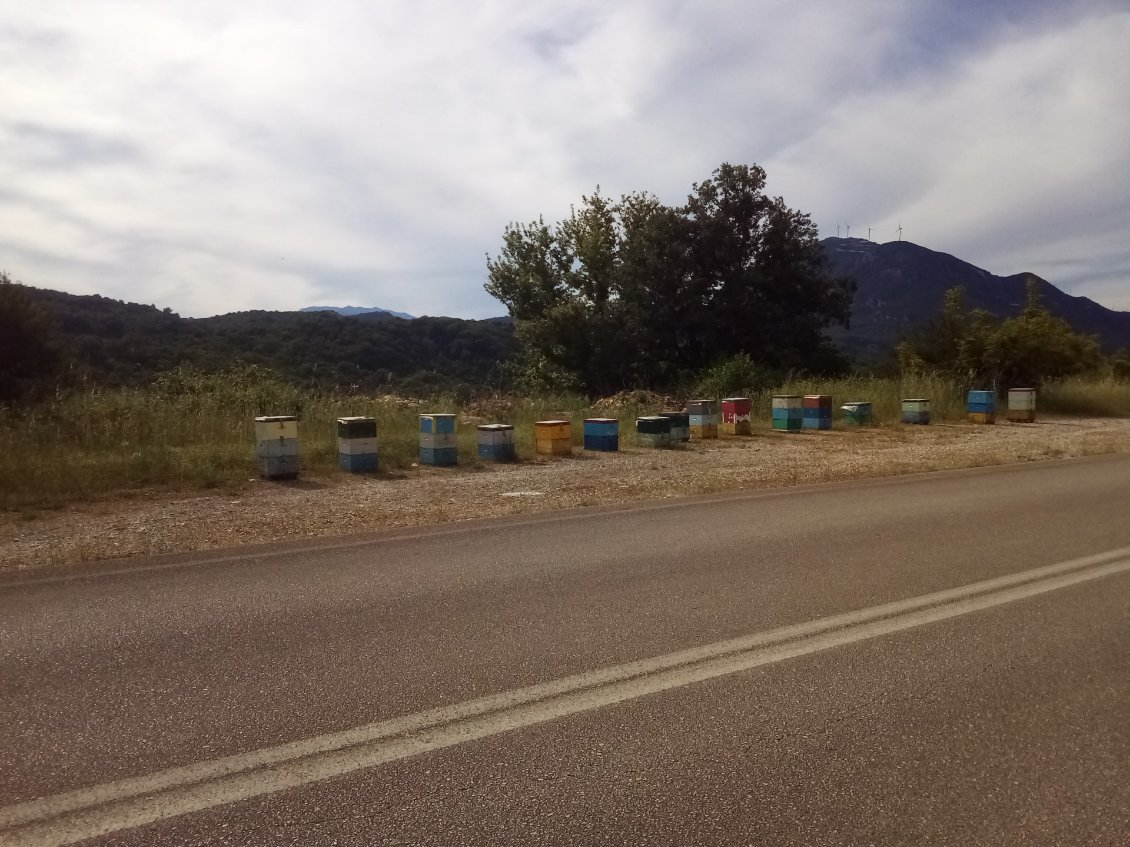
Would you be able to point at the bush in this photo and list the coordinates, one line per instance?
(736, 376)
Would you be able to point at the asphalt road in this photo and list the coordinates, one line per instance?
(936, 659)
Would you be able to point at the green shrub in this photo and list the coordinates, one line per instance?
(737, 376)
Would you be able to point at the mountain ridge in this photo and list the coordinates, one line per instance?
(901, 285)
(353, 311)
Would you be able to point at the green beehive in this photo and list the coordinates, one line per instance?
(653, 431)
(856, 413)
(916, 410)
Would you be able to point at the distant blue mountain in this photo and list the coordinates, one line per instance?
(349, 311)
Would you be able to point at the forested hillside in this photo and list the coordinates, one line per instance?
(115, 343)
(601, 302)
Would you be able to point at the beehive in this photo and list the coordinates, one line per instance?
(680, 425)
(817, 411)
(703, 415)
(496, 442)
(553, 438)
(276, 446)
(916, 410)
(602, 434)
(981, 407)
(856, 413)
(357, 445)
(1022, 405)
(653, 431)
(788, 412)
(735, 416)
(437, 440)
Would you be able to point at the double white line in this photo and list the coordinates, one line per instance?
(110, 807)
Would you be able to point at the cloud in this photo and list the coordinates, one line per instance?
(211, 156)
(1012, 159)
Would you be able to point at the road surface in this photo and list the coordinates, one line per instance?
(934, 659)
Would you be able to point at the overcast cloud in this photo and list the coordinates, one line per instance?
(218, 156)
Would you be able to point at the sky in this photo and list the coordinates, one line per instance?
(214, 156)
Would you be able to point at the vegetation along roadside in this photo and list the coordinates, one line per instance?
(626, 307)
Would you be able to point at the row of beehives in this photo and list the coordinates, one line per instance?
(277, 436)
(980, 407)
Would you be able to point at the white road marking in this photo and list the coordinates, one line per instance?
(102, 809)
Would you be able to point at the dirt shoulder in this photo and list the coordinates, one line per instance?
(343, 505)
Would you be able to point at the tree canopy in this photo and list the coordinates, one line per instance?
(107, 342)
(633, 292)
(977, 348)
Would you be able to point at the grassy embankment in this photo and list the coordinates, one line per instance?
(193, 432)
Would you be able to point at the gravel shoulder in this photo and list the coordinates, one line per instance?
(342, 505)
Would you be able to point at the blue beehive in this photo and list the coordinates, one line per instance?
(357, 444)
(981, 407)
(788, 412)
(817, 410)
(984, 402)
(602, 434)
(437, 440)
(496, 442)
(703, 417)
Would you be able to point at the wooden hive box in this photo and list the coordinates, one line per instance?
(553, 438)
(735, 416)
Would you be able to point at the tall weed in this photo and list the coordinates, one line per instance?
(190, 430)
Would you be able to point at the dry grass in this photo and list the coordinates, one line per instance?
(1090, 397)
(192, 431)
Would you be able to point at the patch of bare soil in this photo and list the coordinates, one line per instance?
(341, 505)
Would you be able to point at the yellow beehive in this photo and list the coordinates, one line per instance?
(982, 417)
(704, 430)
(553, 438)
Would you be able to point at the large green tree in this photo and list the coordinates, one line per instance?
(635, 293)
(1036, 346)
(980, 349)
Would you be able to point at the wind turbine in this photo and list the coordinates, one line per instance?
(848, 230)
(900, 230)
